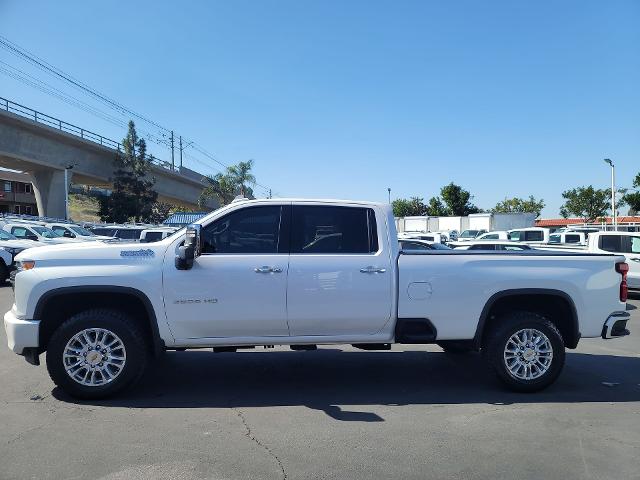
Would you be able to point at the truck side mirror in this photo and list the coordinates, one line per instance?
(188, 252)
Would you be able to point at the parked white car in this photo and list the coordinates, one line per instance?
(426, 236)
(495, 235)
(69, 230)
(129, 233)
(151, 235)
(412, 244)
(531, 235)
(301, 273)
(619, 243)
(36, 232)
(468, 235)
(499, 245)
(567, 237)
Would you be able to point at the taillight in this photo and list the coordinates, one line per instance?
(622, 268)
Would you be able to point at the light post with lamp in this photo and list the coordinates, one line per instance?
(614, 218)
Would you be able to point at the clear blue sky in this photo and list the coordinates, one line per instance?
(344, 99)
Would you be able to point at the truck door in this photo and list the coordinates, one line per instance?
(633, 259)
(340, 275)
(237, 287)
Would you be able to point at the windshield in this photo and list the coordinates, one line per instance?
(469, 234)
(45, 232)
(6, 236)
(439, 246)
(81, 231)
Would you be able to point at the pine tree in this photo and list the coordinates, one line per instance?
(133, 196)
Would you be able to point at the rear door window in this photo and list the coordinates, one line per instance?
(333, 230)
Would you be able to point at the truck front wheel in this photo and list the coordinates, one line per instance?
(96, 353)
(526, 351)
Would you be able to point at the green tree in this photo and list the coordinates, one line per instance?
(519, 205)
(436, 208)
(409, 208)
(633, 198)
(224, 187)
(457, 200)
(132, 197)
(242, 177)
(588, 203)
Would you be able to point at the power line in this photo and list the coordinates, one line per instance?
(43, 65)
(47, 67)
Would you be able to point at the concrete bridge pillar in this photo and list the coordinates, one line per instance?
(48, 187)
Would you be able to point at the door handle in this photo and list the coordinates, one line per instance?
(371, 269)
(267, 269)
(635, 259)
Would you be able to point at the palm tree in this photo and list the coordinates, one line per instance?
(224, 187)
(241, 174)
(220, 187)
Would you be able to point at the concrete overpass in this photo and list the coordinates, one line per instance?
(43, 147)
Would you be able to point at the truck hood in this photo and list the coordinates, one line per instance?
(80, 252)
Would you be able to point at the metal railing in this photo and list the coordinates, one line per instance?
(39, 117)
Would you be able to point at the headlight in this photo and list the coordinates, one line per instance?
(25, 265)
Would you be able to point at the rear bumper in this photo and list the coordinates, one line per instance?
(21, 334)
(616, 325)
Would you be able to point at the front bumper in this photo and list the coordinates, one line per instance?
(21, 334)
(616, 325)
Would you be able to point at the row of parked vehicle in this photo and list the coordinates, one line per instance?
(19, 233)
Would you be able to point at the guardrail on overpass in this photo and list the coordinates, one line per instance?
(70, 128)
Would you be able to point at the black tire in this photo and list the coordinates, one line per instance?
(114, 321)
(4, 272)
(495, 342)
(456, 346)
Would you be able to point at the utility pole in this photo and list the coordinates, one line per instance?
(173, 163)
(614, 217)
(269, 193)
(180, 152)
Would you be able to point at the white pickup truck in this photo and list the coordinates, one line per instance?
(626, 244)
(303, 273)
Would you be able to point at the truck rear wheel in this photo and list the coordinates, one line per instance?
(526, 351)
(96, 353)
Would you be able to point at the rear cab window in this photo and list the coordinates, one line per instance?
(610, 243)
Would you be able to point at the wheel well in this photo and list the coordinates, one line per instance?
(556, 308)
(57, 308)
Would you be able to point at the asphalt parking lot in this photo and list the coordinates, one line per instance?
(414, 412)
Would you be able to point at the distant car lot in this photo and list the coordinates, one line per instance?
(414, 412)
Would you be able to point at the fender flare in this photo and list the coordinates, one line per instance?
(484, 315)
(157, 342)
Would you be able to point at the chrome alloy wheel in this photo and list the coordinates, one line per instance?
(94, 357)
(528, 354)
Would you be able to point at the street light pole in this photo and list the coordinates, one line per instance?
(389, 191)
(614, 217)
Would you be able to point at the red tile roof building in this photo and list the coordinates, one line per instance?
(563, 222)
